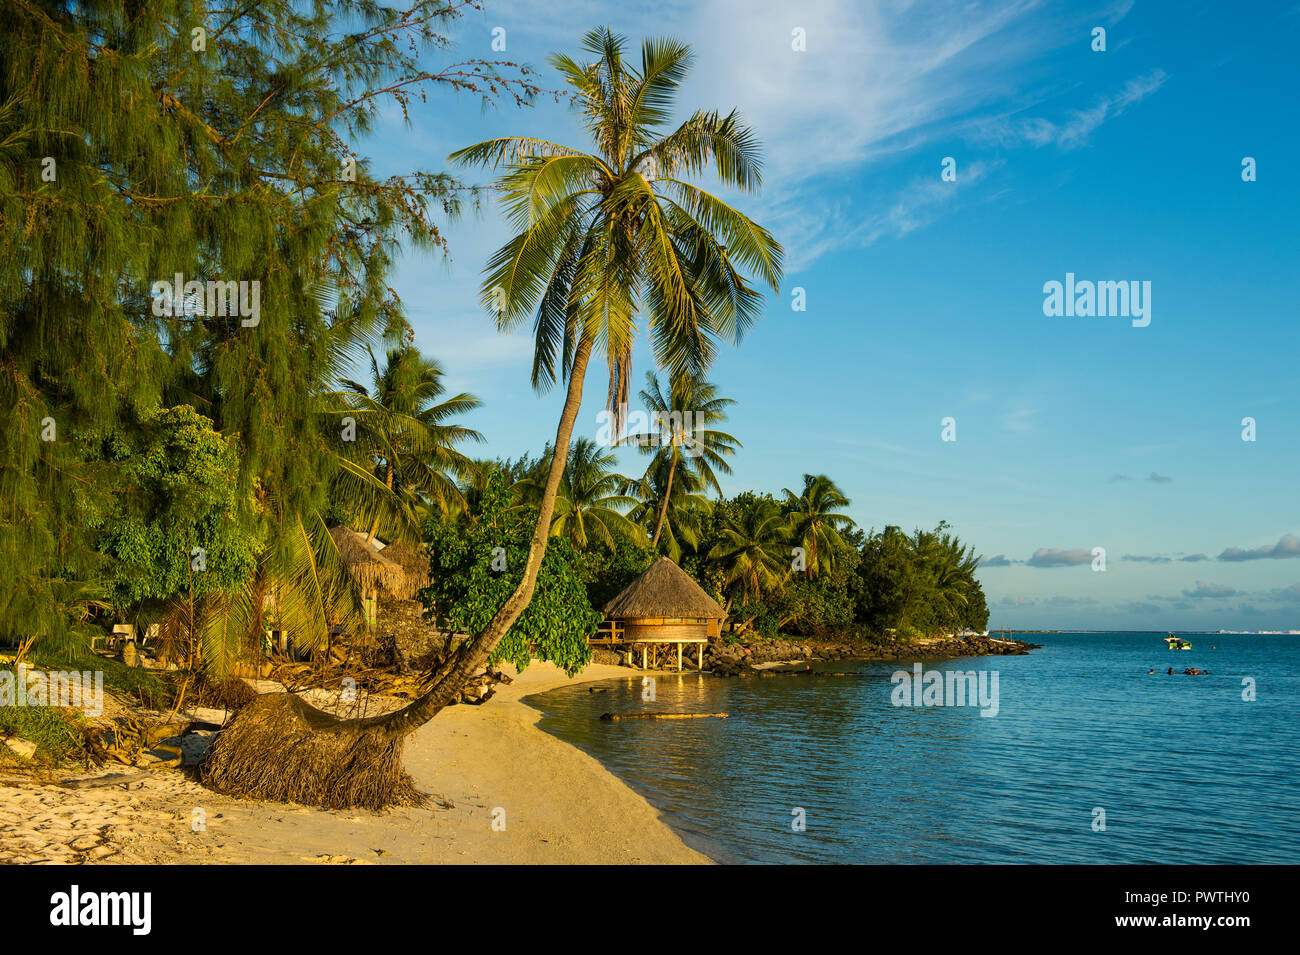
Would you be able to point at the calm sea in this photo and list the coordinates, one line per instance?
(1184, 769)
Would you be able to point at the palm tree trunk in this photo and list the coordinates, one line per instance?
(374, 525)
(663, 508)
(474, 653)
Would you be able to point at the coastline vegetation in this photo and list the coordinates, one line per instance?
(185, 470)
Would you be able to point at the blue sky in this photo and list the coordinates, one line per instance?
(925, 297)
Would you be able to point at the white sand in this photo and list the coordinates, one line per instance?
(560, 805)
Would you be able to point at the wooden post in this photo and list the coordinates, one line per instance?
(679, 656)
(701, 658)
(644, 661)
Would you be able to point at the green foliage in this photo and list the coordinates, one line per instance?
(623, 238)
(607, 571)
(150, 688)
(404, 424)
(820, 606)
(467, 592)
(816, 527)
(590, 503)
(923, 583)
(180, 494)
(58, 733)
(751, 546)
(221, 164)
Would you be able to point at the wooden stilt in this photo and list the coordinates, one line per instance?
(701, 657)
(679, 656)
(645, 651)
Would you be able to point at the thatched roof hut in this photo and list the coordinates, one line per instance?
(371, 568)
(664, 605)
(414, 562)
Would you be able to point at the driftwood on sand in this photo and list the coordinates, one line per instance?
(663, 716)
(97, 782)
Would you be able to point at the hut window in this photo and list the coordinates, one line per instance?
(672, 619)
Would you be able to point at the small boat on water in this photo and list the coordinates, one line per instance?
(1175, 643)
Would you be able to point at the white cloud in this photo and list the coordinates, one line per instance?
(1073, 131)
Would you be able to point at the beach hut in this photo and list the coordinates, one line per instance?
(662, 606)
(371, 569)
(414, 563)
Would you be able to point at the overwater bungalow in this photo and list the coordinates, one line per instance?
(662, 607)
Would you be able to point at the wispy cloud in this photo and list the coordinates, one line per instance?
(1019, 421)
(1053, 557)
(1073, 131)
(1215, 591)
(879, 82)
(1287, 546)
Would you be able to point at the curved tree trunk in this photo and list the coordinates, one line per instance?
(663, 508)
(474, 653)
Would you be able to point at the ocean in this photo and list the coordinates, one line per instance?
(1089, 759)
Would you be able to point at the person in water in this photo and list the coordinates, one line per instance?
(1151, 671)
(1171, 669)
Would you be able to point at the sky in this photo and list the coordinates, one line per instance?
(925, 297)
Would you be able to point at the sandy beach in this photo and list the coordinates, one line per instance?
(560, 806)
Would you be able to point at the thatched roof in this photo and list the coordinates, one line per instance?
(368, 565)
(664, 590)
(415, 562)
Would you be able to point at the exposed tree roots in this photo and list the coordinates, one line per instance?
(283, 749)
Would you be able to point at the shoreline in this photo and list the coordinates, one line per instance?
(822, 651)
(560, 805)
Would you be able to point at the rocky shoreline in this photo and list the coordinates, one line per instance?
(742, 659)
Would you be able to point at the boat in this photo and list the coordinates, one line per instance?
(1175, 643)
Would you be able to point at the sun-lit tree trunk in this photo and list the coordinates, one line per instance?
(663, 506)
(475, 652)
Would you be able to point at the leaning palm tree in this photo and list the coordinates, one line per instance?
(406, 421)
(605, 240)
(682, 439)
(813, 522)
(590, 507)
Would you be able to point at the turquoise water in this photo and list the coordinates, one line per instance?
(1185, 770)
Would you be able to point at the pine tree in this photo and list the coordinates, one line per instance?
(142, 142)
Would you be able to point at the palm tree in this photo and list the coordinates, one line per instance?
(604, 237)
(678, 509)
(753, 550)
(410, 440)
(682, 438)
(813, 523)
(590, 505)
